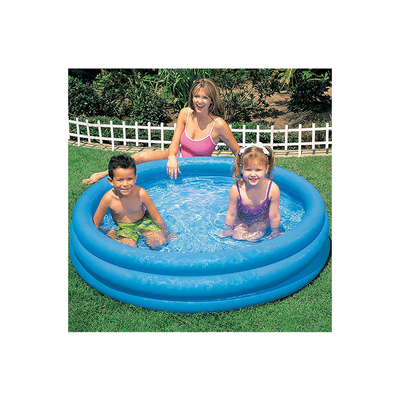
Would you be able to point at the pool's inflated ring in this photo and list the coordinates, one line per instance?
(201, 282)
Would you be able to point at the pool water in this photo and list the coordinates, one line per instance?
(194, 208)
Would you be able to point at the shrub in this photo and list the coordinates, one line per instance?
(82, 98)
(131, 95)
(308, 92)
(147, 106)
(178, 82)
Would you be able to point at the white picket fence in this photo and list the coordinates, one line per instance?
(83, 132)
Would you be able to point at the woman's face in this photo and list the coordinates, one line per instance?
(201, 101)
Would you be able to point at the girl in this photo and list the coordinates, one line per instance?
(198, 130)
(254, 198)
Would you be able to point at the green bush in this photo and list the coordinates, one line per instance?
(236, 93)
(308, 92)
(147, 106)
(178, 82)
(82, 98)
(129, 95)
(154, 95)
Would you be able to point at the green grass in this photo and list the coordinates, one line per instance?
(308, 310)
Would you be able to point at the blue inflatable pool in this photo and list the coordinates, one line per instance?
(201, 282)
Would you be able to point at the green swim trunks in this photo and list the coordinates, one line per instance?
(134, 230)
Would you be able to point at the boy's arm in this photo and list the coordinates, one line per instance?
(151, 208)
(101, 210)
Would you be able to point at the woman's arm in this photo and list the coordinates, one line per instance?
(172, 164)
(95, 177)
(225, 135)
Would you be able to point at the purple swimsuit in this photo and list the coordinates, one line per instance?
(251, 215)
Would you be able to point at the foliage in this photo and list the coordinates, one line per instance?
(82, 98)
(128, 94)
(146, 105)
(149, 95)
(308, 91)
(113, 86)
(265, 83)
(236, 93)
(178, 82)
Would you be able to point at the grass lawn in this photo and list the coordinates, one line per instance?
(308, 310)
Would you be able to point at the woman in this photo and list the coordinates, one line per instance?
(198, 130)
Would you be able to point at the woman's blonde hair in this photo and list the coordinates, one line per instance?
(253, 153)
(216, 108)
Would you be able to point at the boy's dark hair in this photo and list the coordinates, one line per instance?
(120, 161)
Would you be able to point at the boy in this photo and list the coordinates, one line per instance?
(131, 207)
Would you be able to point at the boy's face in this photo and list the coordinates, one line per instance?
(124, 180)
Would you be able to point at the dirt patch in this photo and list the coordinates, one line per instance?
(279, 115)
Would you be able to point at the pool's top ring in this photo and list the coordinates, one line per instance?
(200, 263)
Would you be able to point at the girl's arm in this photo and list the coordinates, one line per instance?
(274, 215)
(226, 136)
(231, 215)
(172, 164)
(101, 210)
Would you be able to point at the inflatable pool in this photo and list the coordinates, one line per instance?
(191, 282)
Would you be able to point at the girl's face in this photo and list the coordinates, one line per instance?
(201, 101)
(254, 172)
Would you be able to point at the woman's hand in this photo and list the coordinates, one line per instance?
(95, 177)
(173, 167)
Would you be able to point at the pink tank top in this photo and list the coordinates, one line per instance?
(196, 148)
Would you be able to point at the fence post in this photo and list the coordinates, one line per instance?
(112, 136)
(286, 137)
(99, 127)
(149, 133)
(124, 133)
(313, 137)
(258, 134)
(162, 135)
(88, 131)
(327, 135)
(77, 131)
(137, 134)
(271, 139)
(299, 155)
(244, 135)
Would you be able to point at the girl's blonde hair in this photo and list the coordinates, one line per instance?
(250, 154)
(216, 108)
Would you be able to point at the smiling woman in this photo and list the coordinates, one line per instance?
(199, 128)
